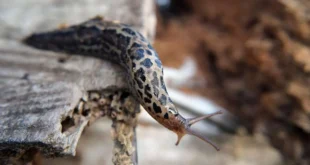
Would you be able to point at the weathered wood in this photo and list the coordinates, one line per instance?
(39, 89)
(31, 115)
(20, 62)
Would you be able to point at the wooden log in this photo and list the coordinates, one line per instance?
(39, 89)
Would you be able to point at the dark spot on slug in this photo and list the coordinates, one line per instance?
(163, 86)
(147, 91)
(140, 84)
(166, 116)
(150, 46)
(155, 80)
(148, 52)
(108, 36)
(163, 99)
(129, 31)
(140, 74)
(135, 45)
(147, 63)
(143, 78)
(122, 41)
(124, 58)
(140, 94)
(147, 100)
(139, 54)
(147, 87)
(156, 55)
(126, 42)
(161, 80)
(156, 108)
(156, 91)
(133, 65)
(158, 63)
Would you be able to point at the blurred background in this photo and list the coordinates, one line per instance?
(248, 57)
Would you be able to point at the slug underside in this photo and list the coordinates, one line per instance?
(126, 47)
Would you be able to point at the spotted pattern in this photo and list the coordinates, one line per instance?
(147, 91)
(147, 63)
(149, 53)
(147, 100)
(163, 99)
(158, 63)
(154, 81)
(129, 31)
(122, 45)
(156, 108)
(139, 54)
(156, 92)
(166, 116)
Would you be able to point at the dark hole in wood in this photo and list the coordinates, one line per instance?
(25, 76)
(95, 99)
(66, 124)
(86, 112)
(62, 60)
(76, 110)
(124, 95)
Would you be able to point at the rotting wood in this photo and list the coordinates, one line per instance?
(123, 110)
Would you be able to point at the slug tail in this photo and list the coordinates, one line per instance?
(61, 40)
(76, 39)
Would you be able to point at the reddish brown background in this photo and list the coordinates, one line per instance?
(255, 56)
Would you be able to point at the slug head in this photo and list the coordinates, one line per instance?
(182, 126)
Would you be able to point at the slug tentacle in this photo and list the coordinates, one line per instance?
(197, 119)
(126, 47)
(187, 123)
(200, 136)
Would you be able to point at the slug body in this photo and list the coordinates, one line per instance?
(125, 46)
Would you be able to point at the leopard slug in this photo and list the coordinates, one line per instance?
(121, 44)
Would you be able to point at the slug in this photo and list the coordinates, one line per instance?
(121, 44)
